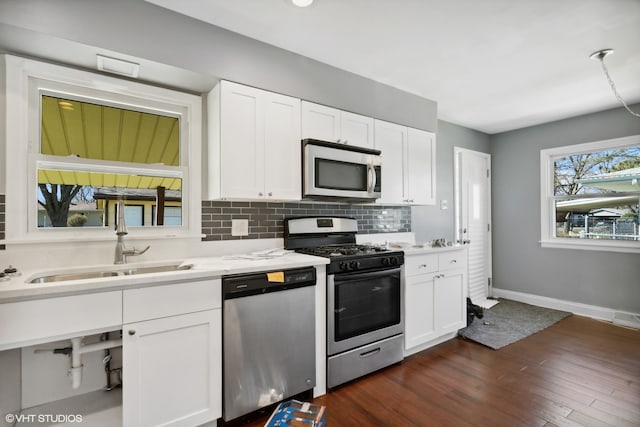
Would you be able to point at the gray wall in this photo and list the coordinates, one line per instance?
(430, 222)
(604, 279)
(143, 30)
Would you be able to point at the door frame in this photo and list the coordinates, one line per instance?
(458, 214)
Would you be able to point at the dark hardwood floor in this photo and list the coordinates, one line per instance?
(578, 372)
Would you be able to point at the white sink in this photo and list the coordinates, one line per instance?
(110, 272)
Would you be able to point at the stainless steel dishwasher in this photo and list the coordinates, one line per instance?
(268, 338)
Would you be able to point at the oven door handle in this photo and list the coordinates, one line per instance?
(345, 277)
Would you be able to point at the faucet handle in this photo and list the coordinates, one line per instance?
(137, 252)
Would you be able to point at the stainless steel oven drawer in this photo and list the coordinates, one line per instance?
(363, 360)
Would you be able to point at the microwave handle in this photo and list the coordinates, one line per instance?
(371, 178)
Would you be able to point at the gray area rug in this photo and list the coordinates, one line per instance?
(510, 321)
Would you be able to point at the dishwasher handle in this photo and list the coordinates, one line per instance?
(244, 285)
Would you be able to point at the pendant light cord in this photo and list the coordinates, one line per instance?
(613, 87)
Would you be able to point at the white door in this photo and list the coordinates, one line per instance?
(473, 218)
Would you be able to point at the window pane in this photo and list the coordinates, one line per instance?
(88, 199)
(610, 218)
(597, 194)
(102, 132)
(598, 172)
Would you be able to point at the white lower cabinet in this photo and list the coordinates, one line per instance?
(171, 370)
(172, 354)
(435, 296)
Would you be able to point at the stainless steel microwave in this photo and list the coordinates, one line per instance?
(332, 170)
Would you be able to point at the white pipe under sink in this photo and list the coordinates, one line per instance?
(78, 349)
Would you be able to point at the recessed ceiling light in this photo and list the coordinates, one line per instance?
(302, 3)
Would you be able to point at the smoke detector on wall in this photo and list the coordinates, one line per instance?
(117, 66)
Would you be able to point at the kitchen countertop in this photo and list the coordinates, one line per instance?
(410, 249)
(18, 287)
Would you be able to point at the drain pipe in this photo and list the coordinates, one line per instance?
(77, 350)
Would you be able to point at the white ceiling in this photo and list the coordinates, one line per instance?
(492, 65)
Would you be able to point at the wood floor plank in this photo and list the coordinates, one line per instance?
(578, 372)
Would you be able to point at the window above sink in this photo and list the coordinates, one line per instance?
(77, 141)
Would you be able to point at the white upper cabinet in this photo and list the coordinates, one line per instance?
(330, 124)
(254, 144)
(391, 138)
(408, 164)
(420, 167)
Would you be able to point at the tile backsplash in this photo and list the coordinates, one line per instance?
(2, 220)
(266, 219)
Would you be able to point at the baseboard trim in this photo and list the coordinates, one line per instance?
(601, 313)
(432, 343)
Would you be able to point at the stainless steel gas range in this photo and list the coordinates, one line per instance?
(365, 320)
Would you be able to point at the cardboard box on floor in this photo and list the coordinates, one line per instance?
(294, 413)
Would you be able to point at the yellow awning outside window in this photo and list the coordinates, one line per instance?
(96, 179)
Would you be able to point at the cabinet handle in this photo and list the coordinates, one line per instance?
(260, 194)
(132, 332)
(338, 141)
(270, 193)
(453, 261)
(422, 266)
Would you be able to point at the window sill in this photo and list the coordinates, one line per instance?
(584, 245)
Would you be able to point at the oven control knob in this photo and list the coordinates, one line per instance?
(344, 266)
(385, 261)
(394, 261)
(354, 265)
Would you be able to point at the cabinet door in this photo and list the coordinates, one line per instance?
(420, 167)
(390, 139)
(172, 369)
(449, 307)
(320, 122)
(419, 325)
(242, 141)
(282, 150)
(356, 129)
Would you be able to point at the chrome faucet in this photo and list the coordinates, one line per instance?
(122, 252)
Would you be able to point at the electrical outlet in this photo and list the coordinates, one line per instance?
(239, 227)
(444, 205)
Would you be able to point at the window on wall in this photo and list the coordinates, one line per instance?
(590, 195)
(74, 134)
(92, 140)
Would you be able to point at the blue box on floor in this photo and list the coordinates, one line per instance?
(294, 413)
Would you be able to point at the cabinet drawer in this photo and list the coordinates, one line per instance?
(50, 319)
(170, 300)
(453, 259)
(420, 264)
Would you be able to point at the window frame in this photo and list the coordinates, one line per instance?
(26, 81)
(548, 238)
